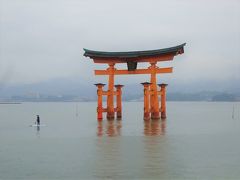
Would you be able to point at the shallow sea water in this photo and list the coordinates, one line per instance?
(198, 140)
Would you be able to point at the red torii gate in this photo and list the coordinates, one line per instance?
(151, 93)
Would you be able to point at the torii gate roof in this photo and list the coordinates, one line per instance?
(135, 54)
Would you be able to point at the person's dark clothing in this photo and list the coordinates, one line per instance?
(38, 120)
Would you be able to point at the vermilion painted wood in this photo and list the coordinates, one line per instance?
(151, 93)
(146, 114)
(137, 71)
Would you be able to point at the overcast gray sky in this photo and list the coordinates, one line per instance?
(43, 40)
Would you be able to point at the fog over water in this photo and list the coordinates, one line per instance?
(44, 40)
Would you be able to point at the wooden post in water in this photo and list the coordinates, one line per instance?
(163, 100)
(100, 94)
(146, 86)
(119, 100)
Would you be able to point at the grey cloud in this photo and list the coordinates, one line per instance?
(44, 39)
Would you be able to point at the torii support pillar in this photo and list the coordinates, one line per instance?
(163, 100)
(100, 106)
(146, 86)
(119, 100)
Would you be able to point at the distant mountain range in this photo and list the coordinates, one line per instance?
(72, 90)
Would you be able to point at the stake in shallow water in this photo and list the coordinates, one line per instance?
(77, 109)
(233, 112)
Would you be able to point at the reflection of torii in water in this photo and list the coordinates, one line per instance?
(154, 127)
(111, 128)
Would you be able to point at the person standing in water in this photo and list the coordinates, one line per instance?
(38, 120)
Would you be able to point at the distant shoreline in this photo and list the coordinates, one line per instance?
(10, 103)
(105, 101)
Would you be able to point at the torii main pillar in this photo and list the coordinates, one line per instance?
(154, 95)
(110, 96)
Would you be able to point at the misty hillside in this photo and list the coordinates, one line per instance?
(72, 88)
